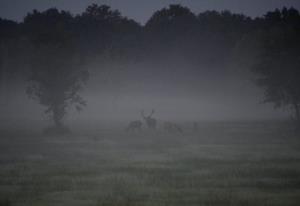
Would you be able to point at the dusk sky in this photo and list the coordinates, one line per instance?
(141, 10)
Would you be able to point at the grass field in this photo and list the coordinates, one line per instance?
(239, 164)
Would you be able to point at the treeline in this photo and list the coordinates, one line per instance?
(52, 48)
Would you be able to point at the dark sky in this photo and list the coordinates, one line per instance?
(141, 10)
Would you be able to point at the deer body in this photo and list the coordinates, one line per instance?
(134, 126)
(171, 127)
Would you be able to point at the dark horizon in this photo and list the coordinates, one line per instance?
(141, 11)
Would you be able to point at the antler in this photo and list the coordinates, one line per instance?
(152, 112)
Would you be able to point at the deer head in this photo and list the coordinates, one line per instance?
(145, 116)
(150, 121)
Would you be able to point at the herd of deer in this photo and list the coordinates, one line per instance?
(151, 123)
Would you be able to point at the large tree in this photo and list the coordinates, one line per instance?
(102, 30)
(278, 65)
(10, 49)
(57, 73)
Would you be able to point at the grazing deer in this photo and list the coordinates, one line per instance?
(150, 121)
(134, 126)
(171, 127)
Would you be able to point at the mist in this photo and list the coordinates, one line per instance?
(149, 104)
(177, 92)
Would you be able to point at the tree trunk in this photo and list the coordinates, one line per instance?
(58, 114)
(59, 128)
(57, 118)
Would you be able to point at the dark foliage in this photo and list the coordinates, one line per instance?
(54, 47)
(278, 64)
(57, 74)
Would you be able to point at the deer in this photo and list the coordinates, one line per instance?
(134, 126)
(150, 121)
(171, 127)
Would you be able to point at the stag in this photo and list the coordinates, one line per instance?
(150, 121)
(171, 127)
(134, 126)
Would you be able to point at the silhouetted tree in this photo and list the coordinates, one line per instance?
(57, 74)
(5, 28)
(175, 18)
(11, 55)
(173, 41)
(104, 31)
(279, 62)
(170, 29)
(205, 40)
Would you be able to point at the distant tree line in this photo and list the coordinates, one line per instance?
(50, 49)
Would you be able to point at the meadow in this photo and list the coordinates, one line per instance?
(222, 164)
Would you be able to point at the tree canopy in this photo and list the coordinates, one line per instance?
(278, 65)
(55, 47)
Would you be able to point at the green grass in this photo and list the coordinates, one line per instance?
(223, 164)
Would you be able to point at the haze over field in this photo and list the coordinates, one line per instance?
(194, 75)
(149, 103)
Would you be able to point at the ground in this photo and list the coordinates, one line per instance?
(237, 163)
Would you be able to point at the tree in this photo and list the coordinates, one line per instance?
(8, 51)
(57, 74)
(168, 27)
(278, 65)
(102, 30)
